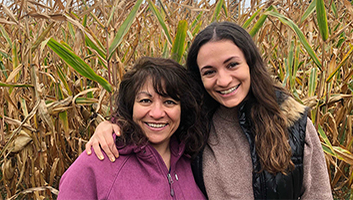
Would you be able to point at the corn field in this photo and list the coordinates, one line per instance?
(61, 61)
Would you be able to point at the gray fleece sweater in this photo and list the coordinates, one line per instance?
(228, 144)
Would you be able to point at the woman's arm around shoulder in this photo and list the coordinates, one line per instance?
(316, 183)
(102, 138)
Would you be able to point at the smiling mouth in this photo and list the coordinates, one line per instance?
(229, 90)
(153, 125)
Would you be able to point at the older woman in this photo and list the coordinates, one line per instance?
(159, 116)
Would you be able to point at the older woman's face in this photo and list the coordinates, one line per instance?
(158, 116)
(224, 72)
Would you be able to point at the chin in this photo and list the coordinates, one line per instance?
(231, 104)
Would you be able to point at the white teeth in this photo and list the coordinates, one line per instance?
(229, 90)
(156, 125)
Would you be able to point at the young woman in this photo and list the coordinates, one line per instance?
(159, 116)
(261, 145)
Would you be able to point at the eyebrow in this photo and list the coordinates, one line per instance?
(230, 59)
(227, 60)
(143, 92)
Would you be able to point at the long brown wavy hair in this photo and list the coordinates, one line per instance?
(169, 79)
(269, 123)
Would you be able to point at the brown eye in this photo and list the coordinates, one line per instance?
(170, 102)
(233, 64)
(144, 101)
(208, 72)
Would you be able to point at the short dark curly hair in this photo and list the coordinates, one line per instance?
(169, 79)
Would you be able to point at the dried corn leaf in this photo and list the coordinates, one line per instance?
(38, 15)
(14, 73)
(20, 142)
(10, 14)
(3, 21)
(35, 189)
(45, 116)
(344, 154)
(8, 168)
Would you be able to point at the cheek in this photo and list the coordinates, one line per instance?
(206, 83)
(133, 112)
(136, 113)
(177, 115)
(248, 79)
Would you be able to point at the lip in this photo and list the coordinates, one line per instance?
(229, 91)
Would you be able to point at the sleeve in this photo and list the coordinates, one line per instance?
(316, 184)
(79, 182)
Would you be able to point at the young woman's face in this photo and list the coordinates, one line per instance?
(159, 117)
(224, 72)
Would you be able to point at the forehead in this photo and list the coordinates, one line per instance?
(216, 52)
(145, 85)
(151, 86)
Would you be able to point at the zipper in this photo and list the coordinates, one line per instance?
(170, 181)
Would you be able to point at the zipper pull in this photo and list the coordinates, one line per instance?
(176, 177)
(171, 192)
(170, 180)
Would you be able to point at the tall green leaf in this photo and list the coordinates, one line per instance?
(2, 68)
(345, 58)
(260, 22)
(11, 85)
(290, 64)
(4, 33)
(300, 35)
(350, 87)
(42, 36)
(15, 61)
(217, 10)
(77, 63)
(124, 28)
(248, 22)
(91, 44)
(160, 20)
(326, 140)
(312, 82)
(322, 19)
(196, 29)
(225, 10)
(296, 65)
(71, 30)
(197, 20)
(308, 11)
(63, 80)
(178, 48)
(112, 11)
(334, 9)
(165, 53)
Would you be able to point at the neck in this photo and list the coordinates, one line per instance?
(164, 151)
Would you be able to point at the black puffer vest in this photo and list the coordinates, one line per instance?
(266, 185)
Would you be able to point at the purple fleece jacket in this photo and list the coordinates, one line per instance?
(139, 173)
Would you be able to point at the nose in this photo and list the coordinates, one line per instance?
(223, 78)
(157, 110)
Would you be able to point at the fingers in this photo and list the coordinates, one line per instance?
(88, 148)
(115, 152)
(98, 151)
(102, 139)
(108, 147)
(116, 129)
